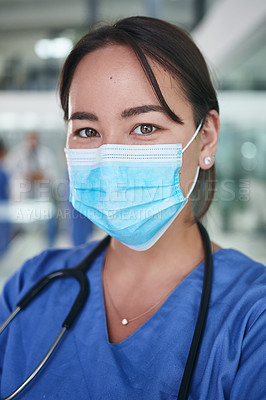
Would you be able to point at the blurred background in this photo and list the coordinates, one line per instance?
(36, 36)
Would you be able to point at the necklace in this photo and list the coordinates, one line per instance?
(126, 321)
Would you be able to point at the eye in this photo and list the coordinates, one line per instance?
(145, 129)
(86, 132)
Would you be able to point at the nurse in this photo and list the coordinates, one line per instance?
(143, 126)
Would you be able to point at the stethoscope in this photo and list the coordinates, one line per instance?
(79, 273)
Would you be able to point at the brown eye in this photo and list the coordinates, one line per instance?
(87, 132)
(145, 129)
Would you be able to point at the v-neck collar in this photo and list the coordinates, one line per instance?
(179, 291)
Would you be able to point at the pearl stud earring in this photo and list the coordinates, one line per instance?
(207, 160)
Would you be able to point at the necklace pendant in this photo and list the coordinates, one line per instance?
(124, 321)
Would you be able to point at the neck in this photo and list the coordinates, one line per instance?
(177, 252)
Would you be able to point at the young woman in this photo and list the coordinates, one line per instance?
(143, 125)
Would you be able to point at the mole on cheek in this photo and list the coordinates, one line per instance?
(111, 77)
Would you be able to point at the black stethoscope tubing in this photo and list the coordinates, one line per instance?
(79, 273)
(202, 315)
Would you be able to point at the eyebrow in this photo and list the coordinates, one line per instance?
(129, 112)
(83, 115)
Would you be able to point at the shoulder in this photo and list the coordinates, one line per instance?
(35, 268)
(234, 265)
(241, 295)
(235, 339)
(239, 284)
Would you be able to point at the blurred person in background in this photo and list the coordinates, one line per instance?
(31, 165)
(5, 226)
(33, 172)
(166, 312)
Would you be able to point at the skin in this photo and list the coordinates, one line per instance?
(105, 83)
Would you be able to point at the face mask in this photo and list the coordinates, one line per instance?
(131, 192)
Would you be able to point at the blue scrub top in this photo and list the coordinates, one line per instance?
(148, 364)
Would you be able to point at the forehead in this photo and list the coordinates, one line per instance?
(113, 58)
(113, 64)
(114, 73)
(111, 55)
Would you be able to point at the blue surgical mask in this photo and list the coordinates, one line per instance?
(131, 192)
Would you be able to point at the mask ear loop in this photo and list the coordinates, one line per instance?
(194, 182)
(193, 137)
(198, 167)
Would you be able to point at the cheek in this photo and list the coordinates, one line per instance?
(71, 140)
(188, 170)
(69, 136)
(67, 141)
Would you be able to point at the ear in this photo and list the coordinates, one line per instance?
(209, 140)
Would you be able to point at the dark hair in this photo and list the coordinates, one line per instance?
(172, 48)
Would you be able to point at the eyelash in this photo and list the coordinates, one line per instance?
(78, 132)
(95, 133)
(154, 128)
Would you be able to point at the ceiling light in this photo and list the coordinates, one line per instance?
(53, 48)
